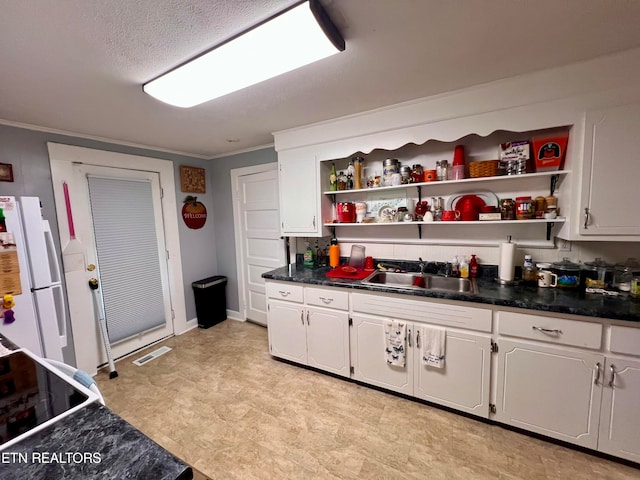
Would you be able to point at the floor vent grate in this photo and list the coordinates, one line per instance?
(152, 355)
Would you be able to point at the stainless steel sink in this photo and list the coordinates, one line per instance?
(416, 281)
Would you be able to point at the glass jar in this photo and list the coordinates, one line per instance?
(507, 209)
(596, 274)
(342, 180)
(568, 273)
(400, 213)
(405, 172)
(623, 274)
(417, 174)
(524, 208)
(443, 170)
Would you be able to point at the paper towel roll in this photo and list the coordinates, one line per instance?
(507, 261)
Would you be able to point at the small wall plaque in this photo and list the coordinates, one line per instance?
(6, 172)
(192, 179)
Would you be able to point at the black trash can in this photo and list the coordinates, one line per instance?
(211, 300)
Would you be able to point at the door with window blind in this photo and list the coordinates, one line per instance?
(123, 218)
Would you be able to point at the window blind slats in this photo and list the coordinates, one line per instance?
(127, 249)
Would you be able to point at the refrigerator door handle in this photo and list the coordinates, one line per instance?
(55, 266)
(61, 317)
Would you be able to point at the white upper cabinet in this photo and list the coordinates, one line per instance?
(299, 197)
(611, 171)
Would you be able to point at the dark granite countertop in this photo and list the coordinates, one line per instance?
(568, 301)
(92, 443)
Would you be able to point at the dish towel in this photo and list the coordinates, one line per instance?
(433, 346)
(395, 338)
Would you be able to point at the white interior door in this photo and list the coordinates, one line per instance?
(257, 235)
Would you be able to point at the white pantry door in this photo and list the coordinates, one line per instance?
(261, 248)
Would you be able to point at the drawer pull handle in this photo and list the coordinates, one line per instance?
(326, 300)
(613, 375)
(548, 331)
(283, 293)
(597, 373)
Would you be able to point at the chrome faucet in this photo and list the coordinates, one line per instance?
(423, 265)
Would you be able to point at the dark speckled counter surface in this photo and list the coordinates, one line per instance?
(567, 301)
(115, 450)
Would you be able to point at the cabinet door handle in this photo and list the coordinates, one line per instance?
(613, 375)
(283, 293)
(586, 218)
(548, 331)
(409, 336)
(307, 317)
(597, 373)
(314, 221)
(326, 300)
(302, 316)
(418, 339)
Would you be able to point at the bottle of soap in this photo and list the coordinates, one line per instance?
(473, 267)
(455, 267)
(464, 268)
(308, 257)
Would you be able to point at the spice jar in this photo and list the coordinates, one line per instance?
(524, 208)
(417, 174)
(442, 170)
(540, 206)
(507, 209)
(405, 172)
(342, 180)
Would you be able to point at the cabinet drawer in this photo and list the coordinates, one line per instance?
(625, 340)
(284, 291)
(448, 315)
(324, 297)
(550, 329)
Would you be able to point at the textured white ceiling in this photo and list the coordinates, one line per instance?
(79, 65)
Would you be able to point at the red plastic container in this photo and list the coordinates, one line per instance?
(346, 212)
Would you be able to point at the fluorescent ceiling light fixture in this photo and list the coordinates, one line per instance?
(298, 36)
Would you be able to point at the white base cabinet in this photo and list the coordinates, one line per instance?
(549, 390)
(462, 384)
(307, 334)
(368, 356)
(619, 416)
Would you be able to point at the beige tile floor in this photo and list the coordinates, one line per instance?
(221, 403)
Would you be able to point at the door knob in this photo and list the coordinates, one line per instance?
(93, 283)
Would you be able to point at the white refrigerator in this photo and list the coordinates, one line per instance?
(39, 311)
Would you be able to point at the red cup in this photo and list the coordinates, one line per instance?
(368, 263)
(458, 155)
(450, 215)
